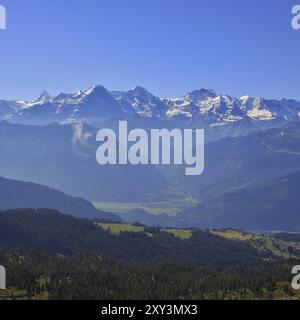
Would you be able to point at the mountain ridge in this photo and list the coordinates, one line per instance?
(18, 194)
(203, 107)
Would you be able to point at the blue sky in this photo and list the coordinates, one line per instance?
(168, 46)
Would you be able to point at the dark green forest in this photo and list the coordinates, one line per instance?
(33, 275)
(49, 255)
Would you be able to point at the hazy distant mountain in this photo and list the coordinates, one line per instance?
(16, 194)
(267, 206)
(64, 157)
(271, 206)
(220, 114)
(234, 163)
(242, 184)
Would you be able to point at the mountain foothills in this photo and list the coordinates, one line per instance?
(235, 163)
(271, 206)
(220, 114)
(56, 233)
(16, 194)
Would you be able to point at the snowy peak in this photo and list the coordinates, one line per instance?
(142, 102)
(45, 95)
(43, 98)
(200, 95)
(140, 92)
(203, 107)
(97, 91)
(219, 110)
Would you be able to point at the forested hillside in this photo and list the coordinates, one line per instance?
(49, 255)
(56, 233)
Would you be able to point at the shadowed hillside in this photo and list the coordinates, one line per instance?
(16, 194)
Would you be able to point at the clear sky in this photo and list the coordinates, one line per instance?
(168, 46)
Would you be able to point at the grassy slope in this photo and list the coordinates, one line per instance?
(117, 228)
(182, 234)
(262, 242)
(278, 247)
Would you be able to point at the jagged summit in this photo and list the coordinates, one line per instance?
(202, 94)
(139, 89)
(97, 89)
(204, 107)
(44, 97)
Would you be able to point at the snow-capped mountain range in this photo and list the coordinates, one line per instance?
(203, 107)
